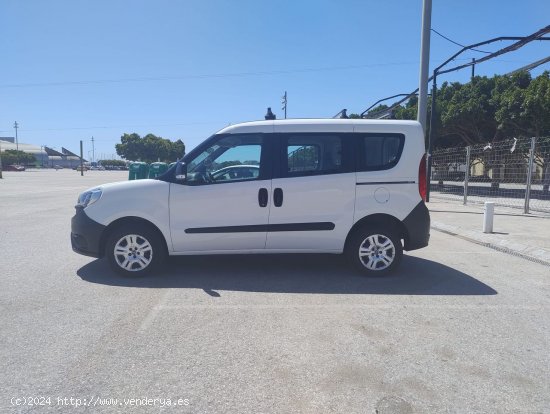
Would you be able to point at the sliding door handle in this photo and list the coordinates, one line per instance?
(278, 197)
(262, 197)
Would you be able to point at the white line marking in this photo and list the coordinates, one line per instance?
(148, 320)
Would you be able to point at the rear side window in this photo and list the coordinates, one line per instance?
(380, 151)
(311, 154)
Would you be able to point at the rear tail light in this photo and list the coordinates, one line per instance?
(422, 177)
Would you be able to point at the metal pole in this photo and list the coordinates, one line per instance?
(16, 125)
(93, 150)
(1, 161)
(488, 216)
(81, 163)
(286, 103)
(467, 174)
(529, 175)
(430, 135)
(473, 67)
(424, 62)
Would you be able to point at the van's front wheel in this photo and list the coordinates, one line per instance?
(374, 250)
(134, 251)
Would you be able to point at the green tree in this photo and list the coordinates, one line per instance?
(17, 157)
(524, 111)
(377, 108)
(535, 109)
(508, 98)
(149, 148)
(113, 163)
(467, 116)
(130, 147)
(408, 111)
(467, 112)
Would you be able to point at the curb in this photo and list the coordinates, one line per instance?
(492, 241)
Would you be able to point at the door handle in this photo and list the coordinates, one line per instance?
(262, 197)
(278, 197)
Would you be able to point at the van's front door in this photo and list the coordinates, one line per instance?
(223, 205)
(313, 193)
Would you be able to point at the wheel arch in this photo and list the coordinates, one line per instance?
(129, 221)
(384, 220)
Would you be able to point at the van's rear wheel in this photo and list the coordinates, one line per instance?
(134, 250)
(375, 250)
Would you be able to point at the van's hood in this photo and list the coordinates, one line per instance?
(147, 199)
(133, 185)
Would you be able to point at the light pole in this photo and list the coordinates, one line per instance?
(81, 163)
(93, 150)
(1, 160)
(424, 63)
(16, 126)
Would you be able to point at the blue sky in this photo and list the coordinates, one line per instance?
(184, 69)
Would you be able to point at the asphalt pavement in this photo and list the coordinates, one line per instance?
(459, 328)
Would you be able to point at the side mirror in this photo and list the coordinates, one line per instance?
(181, 171)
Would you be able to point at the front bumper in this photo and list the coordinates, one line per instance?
(86, 234)
(417, 224)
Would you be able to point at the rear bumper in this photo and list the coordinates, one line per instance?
(417, 224)
(86, 234)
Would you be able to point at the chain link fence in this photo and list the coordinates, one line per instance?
(512, 173)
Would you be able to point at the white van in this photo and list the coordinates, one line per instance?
(289, 186)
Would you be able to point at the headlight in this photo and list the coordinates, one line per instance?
(89, 197)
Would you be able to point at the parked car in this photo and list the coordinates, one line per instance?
(324, 186)
(14, 168)
(81, 168)
(449, 176)
(236, 172)
(480, 178)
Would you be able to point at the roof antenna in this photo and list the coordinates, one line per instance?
(270, 115)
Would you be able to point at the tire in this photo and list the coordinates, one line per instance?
(134, 250)
(375, 250)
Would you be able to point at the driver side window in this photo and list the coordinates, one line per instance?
(231, 158)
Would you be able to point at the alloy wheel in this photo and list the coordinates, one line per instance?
(133, 252)
(377, 252)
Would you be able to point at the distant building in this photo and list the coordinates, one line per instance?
(65, 158)
(45, 156)
(8, 143)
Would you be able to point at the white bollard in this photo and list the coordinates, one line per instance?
(488, 215)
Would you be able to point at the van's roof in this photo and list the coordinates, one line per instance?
(313, 124)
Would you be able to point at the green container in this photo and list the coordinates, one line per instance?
(157, 168)
(138, 170)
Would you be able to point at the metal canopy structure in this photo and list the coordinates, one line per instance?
(520, 42)
(531, 66)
